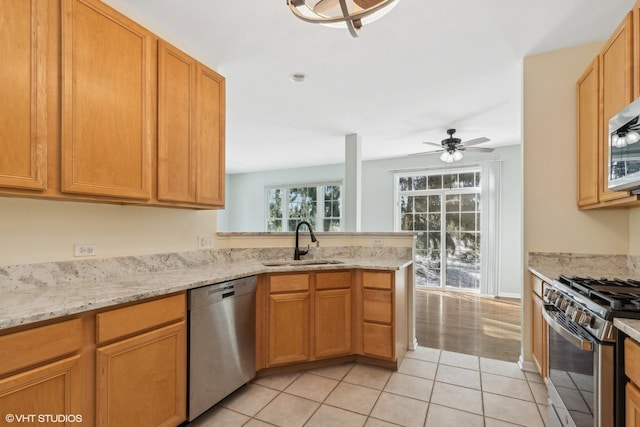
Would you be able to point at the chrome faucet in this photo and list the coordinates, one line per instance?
(298, 252)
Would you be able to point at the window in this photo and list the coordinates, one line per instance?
(444, 207)
(320, 205)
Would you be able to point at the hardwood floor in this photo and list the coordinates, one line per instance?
(468, 323)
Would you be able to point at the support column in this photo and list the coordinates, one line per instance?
(352, 197)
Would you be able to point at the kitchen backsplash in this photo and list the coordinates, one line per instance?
(13, 277)
(595, 265)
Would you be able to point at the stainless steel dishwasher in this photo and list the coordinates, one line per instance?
(221, 341)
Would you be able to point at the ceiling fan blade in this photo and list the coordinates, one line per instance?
(324, 6)
(425, 153)
(365, 4)
(433, 143)
(479, 149)
(475, 141)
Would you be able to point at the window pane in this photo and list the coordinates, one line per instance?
(477, 179)
(405, 183)
(468, 202)
(421, 203)
(453, 221)
(468, 222)
(335, 209)
(434, 203)
(450, 181)
(406, 204)
(274, 225)
(467, 179)
(422, 241)
(434, 222)
(420, 222)
(435, 182)
(407, 222)
(419, 182)
(452, 202)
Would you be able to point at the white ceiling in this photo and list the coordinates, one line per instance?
(426, 66)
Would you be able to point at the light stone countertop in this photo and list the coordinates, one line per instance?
(630, 327)
(25, 297)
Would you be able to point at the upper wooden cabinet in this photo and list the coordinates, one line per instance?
(23, 126)
(616, 91)
(588, 117)
(96, 108)
(108, 69)
(191, 99)
(605, 88)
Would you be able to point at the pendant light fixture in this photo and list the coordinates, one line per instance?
(350, 14)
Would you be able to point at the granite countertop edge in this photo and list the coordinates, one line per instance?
(22, 306)
(630, 327)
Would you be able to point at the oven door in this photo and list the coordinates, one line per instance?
(580, 375)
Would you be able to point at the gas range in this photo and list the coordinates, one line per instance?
(593, 303)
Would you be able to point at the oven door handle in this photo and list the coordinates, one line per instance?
(582, 344)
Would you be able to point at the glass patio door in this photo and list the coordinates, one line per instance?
(445, 209)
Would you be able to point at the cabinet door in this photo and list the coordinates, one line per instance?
(539, 335)
(288, 328)
(616, 89)
(588, 135)
(332, 322)
(176, 134)
(377, 340)
(23, 131)
(141, 381)
(55, 388)
(108, 96)
(632, 405)
(210, 117)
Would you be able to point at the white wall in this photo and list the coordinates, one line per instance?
(245, 200)
(46, 230)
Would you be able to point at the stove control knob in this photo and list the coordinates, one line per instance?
(577, 313)
(564, 303)
(570, 310)
(585, 319)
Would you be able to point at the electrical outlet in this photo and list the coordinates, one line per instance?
(205, 241)
(85, 250)
(378, 242)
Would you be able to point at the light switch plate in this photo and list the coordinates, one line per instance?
(85, 250)
(205, 241)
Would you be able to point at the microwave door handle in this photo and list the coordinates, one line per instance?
(574, 339)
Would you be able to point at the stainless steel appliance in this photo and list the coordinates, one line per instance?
(221, 341)
(624, 150)
(582, 349)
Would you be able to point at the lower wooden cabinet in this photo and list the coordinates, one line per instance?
(41, 372)
(332, 332)
(52, 390)
(141, 380)
(632, 392)
(539, 325)
(288, 328)
(632, 403)
(317, 315)
(378, 338)
(118, 367)
(141, 364)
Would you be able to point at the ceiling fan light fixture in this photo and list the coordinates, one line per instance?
(457, 155)
(350, 14)
(447, 157)
(632, 137)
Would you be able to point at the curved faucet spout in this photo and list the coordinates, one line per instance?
(297, 252)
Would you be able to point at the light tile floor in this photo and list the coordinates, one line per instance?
(432, 388)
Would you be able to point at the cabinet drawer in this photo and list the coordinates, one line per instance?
(378, 340)
(289, 283)
(377, 306)
(632, 360)
(536, 285)
(127, 321)
(333, 280)
(377, 279)
(38, 345)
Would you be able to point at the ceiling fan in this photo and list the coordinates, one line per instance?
(451, 148)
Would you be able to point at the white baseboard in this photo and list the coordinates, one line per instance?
(510, 295)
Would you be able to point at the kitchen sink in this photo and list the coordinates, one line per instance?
(301, 262)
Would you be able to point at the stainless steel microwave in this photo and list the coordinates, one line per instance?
(624, 149)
